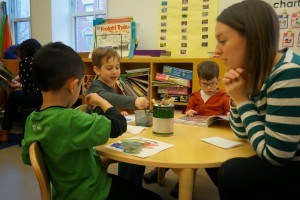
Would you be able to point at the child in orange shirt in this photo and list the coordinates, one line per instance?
(209, 100)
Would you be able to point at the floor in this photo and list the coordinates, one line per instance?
(17, 181)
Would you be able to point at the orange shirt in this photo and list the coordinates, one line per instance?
(218, 104)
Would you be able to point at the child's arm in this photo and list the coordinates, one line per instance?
(95, 100)
(141, 103)
(118, 121)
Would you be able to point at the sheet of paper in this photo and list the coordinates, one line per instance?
(221, 142)
(135, 129)
(150, 146)
(130, 118)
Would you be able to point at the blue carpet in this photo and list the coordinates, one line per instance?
(14, 140)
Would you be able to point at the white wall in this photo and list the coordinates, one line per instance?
(50, 21)
(145, 14)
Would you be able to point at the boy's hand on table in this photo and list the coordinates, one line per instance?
(191, 112)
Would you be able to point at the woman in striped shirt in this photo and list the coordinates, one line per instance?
(264, 86)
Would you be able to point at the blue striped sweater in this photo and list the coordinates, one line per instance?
(271, 121)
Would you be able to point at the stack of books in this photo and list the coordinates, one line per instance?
(134, 82)
(175, 82)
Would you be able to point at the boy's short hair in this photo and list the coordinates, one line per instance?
(101, 53)
(208, 70)
(54, 64)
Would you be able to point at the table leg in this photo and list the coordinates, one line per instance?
(186, 183)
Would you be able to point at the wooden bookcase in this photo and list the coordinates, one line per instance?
(156, 65)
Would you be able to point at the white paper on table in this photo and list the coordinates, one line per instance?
(135, 129)
(221, 142)
(150, 146)
(130, 118)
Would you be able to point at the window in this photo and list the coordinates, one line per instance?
(84, 11)
(19, 17)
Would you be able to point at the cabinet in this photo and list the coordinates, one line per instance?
(156, 66)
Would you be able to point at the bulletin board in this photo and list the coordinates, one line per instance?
(289, 17)
(187, 27)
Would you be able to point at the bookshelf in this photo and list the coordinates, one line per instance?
(156, 66)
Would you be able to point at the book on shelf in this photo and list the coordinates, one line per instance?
(177, 72)
(162, 84)
(118, 34)
(172, 79)
(118, 20)
(173, 90)
(201, 120)
(5, 73)
(87, 80)
(141, 80)
(141, 70)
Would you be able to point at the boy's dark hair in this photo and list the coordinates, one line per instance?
(208, 70)
(101, 53)
(54, 64)
(29, 47)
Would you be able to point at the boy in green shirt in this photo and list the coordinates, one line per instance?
(67, 136)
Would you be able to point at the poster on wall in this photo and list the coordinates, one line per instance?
(186, 27)
(289, 17)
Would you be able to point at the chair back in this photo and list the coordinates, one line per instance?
(40, 170)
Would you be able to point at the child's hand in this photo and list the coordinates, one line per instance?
(124, 113)
(141, 103)
(94, 100)
(191, 112)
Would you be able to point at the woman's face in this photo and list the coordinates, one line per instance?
(231, 46)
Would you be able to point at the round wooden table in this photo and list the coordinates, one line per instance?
(188, 153)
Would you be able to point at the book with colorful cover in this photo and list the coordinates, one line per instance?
(173, 79)
(201, 120)
(149, 146)
(5, 73)
(119, 35)
(87, 80)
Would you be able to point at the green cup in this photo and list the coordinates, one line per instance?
(163, 120)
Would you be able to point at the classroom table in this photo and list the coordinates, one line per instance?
(188, 153)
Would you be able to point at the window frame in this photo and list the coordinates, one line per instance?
(13, 20)
(74, 15)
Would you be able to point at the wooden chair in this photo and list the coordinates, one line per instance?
(40, 170)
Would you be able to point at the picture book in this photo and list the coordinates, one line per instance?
(118, 35)
(149, 146)
(5, 73)
(201, 120)
(173, 79)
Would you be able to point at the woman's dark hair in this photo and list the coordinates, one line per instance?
(28, 48)
(258, 23)
(54, 64)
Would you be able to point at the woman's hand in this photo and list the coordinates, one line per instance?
(234, 84)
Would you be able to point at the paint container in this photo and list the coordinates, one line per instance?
(163, 120)
(143, 118)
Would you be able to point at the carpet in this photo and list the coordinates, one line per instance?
(14, 140)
